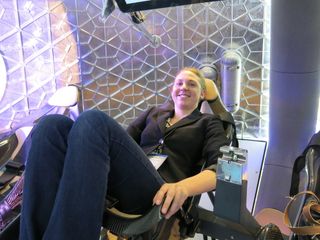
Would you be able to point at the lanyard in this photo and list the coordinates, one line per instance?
(159, 147)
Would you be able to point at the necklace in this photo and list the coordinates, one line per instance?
(168, 123)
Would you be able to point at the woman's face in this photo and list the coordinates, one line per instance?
(186, 91)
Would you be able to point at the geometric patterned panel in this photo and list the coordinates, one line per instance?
(210, 29)
(40, 54)
(47, 44)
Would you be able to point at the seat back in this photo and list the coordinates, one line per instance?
(305, 177)
(312, 166)
(306, 168)
(188, 224)
(213, 105)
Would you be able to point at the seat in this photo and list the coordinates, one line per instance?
(8, 143)
(129, 226)
(134, 226)
(188, 225)
(195, 219)
(305, 177)
(214, 105)
(14, 147)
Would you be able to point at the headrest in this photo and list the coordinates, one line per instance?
(212, 91)
(216, 106)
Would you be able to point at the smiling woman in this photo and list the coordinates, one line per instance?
(3, 77)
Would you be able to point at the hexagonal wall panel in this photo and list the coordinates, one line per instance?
(48, 44)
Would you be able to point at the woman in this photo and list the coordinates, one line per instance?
(72, 165)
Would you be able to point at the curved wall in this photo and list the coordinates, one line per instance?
(49, 43)
(294, 93)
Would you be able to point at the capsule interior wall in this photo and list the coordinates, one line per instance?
(47, 44)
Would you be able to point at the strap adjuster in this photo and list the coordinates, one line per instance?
(14, 165)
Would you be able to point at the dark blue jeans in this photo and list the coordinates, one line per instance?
(71, 167)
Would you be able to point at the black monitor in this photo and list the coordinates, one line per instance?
(139, 5)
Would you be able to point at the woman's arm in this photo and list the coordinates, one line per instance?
(136, 127)
(174, 194)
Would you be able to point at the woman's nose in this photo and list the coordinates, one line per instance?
(185, 86)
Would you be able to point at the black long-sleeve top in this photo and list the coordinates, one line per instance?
(189, 143)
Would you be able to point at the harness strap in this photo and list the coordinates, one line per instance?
(12, 169)
(312, 206)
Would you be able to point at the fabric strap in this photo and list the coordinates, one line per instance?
(309, 211)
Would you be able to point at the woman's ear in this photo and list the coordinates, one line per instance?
(170, 90)
(202, 95)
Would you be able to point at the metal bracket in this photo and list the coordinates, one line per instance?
(137, 19)
(232, 166)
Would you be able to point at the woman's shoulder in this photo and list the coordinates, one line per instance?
(211, 121)
(159, 110)
(210, 116)
(167, 106)
(163, 108)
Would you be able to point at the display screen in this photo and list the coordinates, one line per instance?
(139, 5)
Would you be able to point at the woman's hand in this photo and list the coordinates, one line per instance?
(173, 196)
(212, 91)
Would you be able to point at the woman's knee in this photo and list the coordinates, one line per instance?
(93, 119)
(49, 125)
